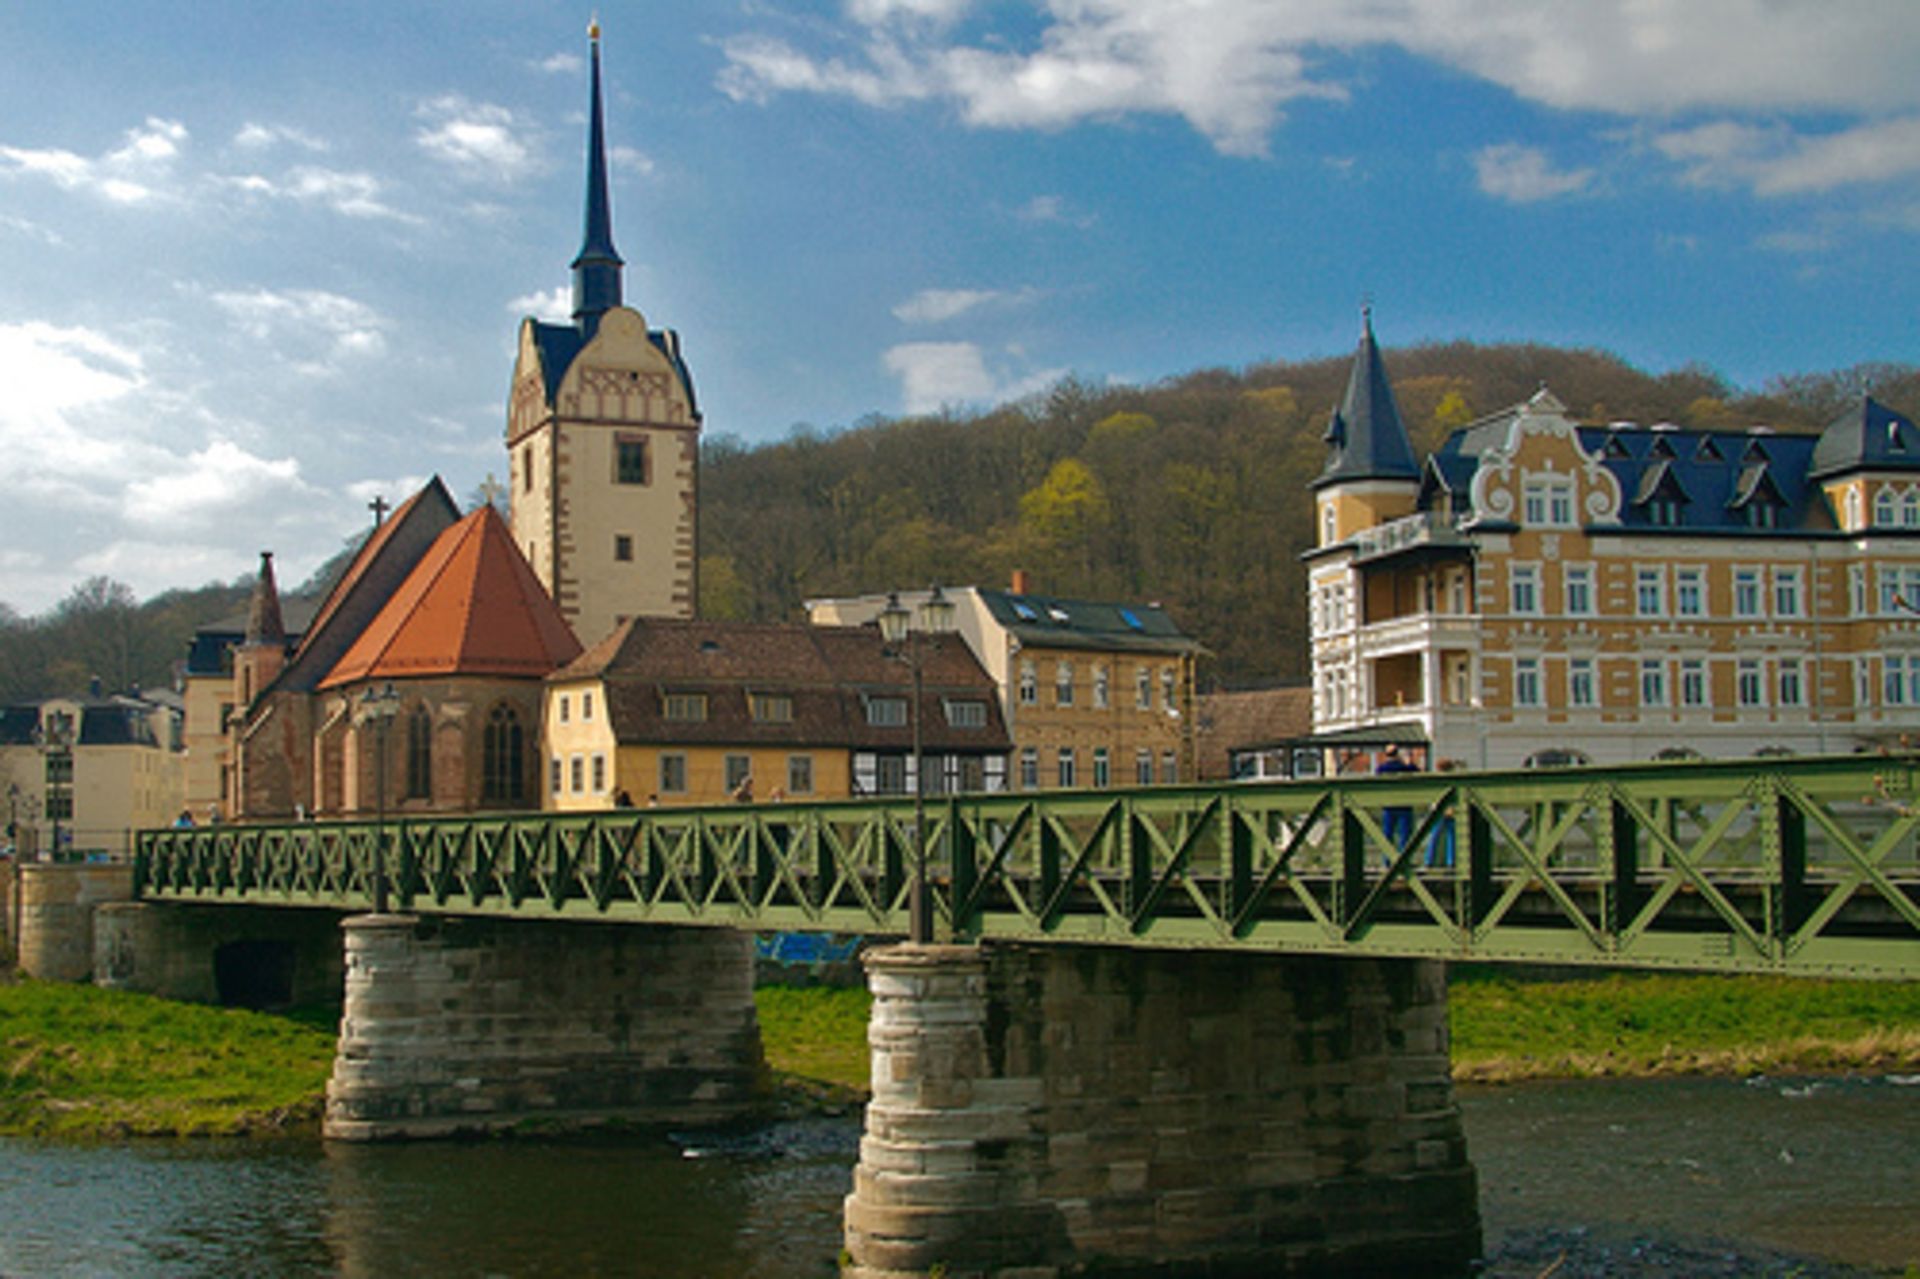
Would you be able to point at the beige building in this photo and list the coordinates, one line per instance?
(670, 712)
(1094, 693)
(603, 437)
(1542, 591)
(80, 775)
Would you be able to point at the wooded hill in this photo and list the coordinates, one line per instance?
(1191, 492)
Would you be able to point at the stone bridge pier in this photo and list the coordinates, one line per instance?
(1042, 1112)
(469, 1025)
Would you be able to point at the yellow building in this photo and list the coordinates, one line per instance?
(671, 711)
(80, 775)
(1093, 693)
(1541, 591)
(603, 438)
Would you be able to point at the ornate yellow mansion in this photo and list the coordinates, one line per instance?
(1540, 591)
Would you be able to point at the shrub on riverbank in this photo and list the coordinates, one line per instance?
(81, 1061)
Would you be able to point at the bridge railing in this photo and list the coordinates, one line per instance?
(1802, 865)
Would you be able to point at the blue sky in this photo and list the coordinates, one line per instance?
(260, 262)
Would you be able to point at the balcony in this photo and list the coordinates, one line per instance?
(1426, 529)
(1415, 632)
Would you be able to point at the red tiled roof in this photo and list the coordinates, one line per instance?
(471, 606)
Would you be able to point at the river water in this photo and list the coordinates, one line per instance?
(1657, 1175)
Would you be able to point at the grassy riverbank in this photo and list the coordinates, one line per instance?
(1506, 1030)
(76, 1061)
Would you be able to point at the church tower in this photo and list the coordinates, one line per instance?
(603, 436)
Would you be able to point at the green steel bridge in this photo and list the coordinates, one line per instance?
(1805, 866)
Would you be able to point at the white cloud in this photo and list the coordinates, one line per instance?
(1775, 160)
(561, 63)
(351, 195)
(938, 375)
(136, 172)
(296, 317)
(930, 306)
(257, 137)
(554, 305)
(216, 480)
(1052, 208)
(1524, 175)
(1229, 67)
(477, 137)
(631, 160)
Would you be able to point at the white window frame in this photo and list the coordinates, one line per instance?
(1689, 592)
(1749, 684)
(1580, 683)
(1786, 592)
(1526, 682)
(1577, 585)
(1523, 589)
(1749, 592)
(1789, 683)
(1649, 590)
(1653, 682)
(1696, 688)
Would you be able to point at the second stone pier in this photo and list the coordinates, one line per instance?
(1043, 1112)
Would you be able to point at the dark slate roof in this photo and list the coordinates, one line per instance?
(17, 723)
(1047, 621)
(560, 343)
(206, 650)
(596, 270)
(1366, 439)
(379, 567)
(1713, 475)
(827, 671)
(1869, 436)
(104, 721)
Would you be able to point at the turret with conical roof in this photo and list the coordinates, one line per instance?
(596, 270)
(1366, 439)
(1371, 476)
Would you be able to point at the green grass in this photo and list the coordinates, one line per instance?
(1654, 1024)
(1505, 1029)
(79, 1061)
(815, 1038)
(76, 1061)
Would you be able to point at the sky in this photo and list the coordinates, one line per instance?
(261, 263)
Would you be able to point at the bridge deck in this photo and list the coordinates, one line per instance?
(1781, 865)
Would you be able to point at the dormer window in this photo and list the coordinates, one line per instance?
(1547, 501)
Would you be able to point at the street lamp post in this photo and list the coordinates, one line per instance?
(54, 736)
(896, 628)
(378, 707)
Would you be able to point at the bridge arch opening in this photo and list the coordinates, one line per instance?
(255, 973)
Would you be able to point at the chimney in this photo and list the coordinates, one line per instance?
(1022, 582)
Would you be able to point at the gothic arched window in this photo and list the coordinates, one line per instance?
(503, 757)
(419, 753)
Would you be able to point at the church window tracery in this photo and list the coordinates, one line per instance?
(503, 757)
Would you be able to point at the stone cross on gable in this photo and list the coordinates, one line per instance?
(379, 508)
(492, 490)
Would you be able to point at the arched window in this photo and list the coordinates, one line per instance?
(503, 757)
(419, 753)
(1910, 508)
(1883, 508)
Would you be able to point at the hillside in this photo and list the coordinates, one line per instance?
(1192, 492)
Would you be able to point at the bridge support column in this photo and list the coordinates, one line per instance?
(57, 902)
(465, 1026)
(1042, 1112)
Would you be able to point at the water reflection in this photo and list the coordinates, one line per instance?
(1828, 1169)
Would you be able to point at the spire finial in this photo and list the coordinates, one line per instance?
(593, 26)
(596, 270)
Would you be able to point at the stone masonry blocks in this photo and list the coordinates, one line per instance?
(1055, 1111)
(461, 1025)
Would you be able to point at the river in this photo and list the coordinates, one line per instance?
(1639, 1177)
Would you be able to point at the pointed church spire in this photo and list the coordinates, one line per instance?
(264, 627)
(1366, 438)
(596, 271)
